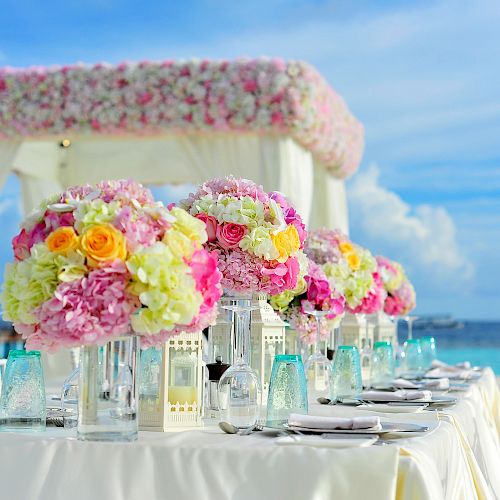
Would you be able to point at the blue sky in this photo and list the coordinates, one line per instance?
(422, 77)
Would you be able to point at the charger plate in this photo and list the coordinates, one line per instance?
(386, 428)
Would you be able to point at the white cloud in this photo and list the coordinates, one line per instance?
(422, 238)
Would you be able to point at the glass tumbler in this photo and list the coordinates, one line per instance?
(414, 362)
(345, 377)
(287, 389)
(428, 345)
(383, 370)
(22, 404)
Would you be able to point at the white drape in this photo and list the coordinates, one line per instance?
(329, 208)
(278, 163)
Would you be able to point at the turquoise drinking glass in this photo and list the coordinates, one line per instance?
(384, 366)
(345, 376)
(429, 353)
(414, 361)
(22, 404)
(287, 389)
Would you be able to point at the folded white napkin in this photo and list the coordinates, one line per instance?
(452, 368)
(441, 384)
(332, 423)
(446, 373)
(402, 395)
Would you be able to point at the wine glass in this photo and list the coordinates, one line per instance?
(318, 366)
(410, 320)
(239, 387)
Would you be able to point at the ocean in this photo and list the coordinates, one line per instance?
(474, 341)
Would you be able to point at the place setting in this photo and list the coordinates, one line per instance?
(225, 279)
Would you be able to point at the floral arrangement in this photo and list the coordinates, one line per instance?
(257, 236)
(351, 269)
(313, 292)
(99, 260)
(261, 95)
(401, 298)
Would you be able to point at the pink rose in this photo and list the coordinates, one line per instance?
(21, 245)
(210, 225)
(230, 234)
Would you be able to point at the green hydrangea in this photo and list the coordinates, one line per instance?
(95, 212)
(31, 282)
(164, 285)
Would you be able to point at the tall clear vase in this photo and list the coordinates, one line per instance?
(108, 396)
(240, 393)
(366, 354)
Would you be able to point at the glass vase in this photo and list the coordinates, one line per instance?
(239, 387)
(108, 396)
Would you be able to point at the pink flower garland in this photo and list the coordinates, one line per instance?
(260, 95)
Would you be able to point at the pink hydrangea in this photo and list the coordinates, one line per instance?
(90, 310)
(374, 301)
(402, 301)
(306, 327)
(322, 245)
(123, 189)
(241, 271)
(227, 185)
(386, 263)
(139, 229)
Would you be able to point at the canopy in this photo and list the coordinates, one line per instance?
(278, 123)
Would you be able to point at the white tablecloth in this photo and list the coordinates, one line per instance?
(458, 459)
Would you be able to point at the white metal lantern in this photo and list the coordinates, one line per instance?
(353, 330)
(384, 328)
(174, 398)
(267, 338)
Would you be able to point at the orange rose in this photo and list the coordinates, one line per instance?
(62, 240)
(102, 244)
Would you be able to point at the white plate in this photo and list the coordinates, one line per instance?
(387, 427)
(331, 441)
(393, 408)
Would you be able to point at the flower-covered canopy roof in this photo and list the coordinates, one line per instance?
(268, 96)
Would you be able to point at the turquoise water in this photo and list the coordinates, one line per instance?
(479, 356)
(475, 341)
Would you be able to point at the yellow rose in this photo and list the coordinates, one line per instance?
(353, 260)
(346, 247)
(102, 244)
(63, 240)
(287, 242)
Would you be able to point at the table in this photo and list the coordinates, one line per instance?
(458, 459)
